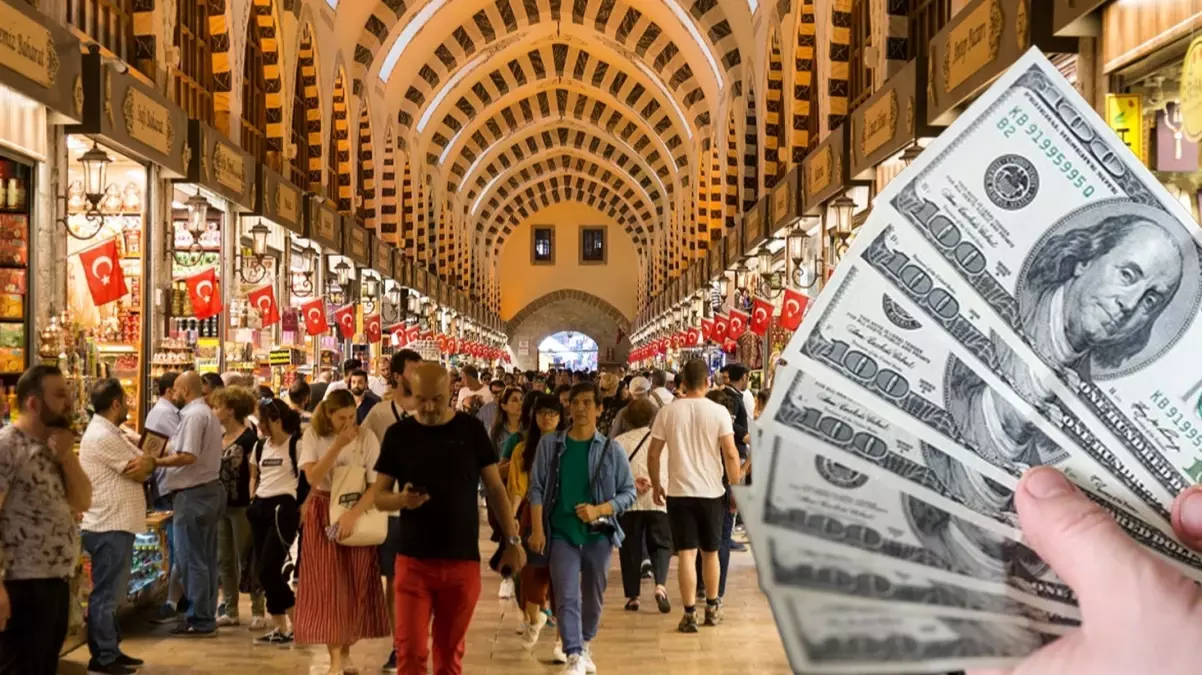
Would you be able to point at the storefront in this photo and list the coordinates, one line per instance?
(38, 89)
(205, 206)
(840, 204)
(889, 130)
(129, 138)
(362, 289)
(332, 279)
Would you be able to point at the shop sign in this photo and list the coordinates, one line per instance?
(325, 225)
(279, 201)
(40, 59)
(753, 225)
(134, 118)
(1124, 116)
(825, 170)
(1191, 91)
(782, 204)
(402, 269)
(221, 166)
(981, 42)
(886, 123)
(280, 357)
(1076, 18)
(734, 248)
(717, 258)
(381, 259)
(356, 243)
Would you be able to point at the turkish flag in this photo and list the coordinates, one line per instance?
(738, 324)
(412, 333)
(345, 318)
(721, 325)
(204, 293)
(761, 314)
(314, 313)
(694, 337)
(102, 269)
(371, 326)
(263, 299)
(794, 309)
(729, 346)
(397, 333)
(707, 329)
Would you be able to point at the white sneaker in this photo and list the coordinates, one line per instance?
(530, 638)
(506, 591)
(557, 655)
(575, 665)
(226, 620)
(587, 657)
(259, 623)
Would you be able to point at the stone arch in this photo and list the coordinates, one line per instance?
(219, 53)
(307, 118)
(751, 153)
(805, 118)
(570, 309)
(340, 144)
(389, 211)
(776, 157)
(366, 168)
(731, 181)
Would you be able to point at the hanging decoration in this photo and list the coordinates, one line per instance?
(344, 317)
(204, 293)
(371, 326)
(738, 324)
(793, 309)
(721, 325)
(761, 315)
(314, 313)
(263, 299)
(102, 268)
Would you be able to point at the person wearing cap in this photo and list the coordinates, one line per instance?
(640, 388)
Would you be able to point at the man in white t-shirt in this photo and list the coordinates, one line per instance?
(472, 386)
(659, 389)
(700, 442)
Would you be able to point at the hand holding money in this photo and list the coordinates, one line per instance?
(1140, 615)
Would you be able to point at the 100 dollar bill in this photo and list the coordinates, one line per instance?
(1084, 256)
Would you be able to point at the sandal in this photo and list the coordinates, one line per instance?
(661, 599)
(632, 605)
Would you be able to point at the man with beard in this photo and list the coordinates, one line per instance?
(42, 486)
(382, 417)
(365, 398)
(439, 456)
(116, 468)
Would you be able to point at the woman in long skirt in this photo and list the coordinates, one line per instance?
(339, 596)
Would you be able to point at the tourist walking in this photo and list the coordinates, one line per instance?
(42, 486)
(648, 535)
(233, 405)
(579, 484)
(699, 438)
(339, 599)
(273, 512)
(439, 457)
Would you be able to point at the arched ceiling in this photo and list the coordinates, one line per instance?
(513, 105)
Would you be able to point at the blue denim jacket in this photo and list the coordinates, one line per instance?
(610, 472)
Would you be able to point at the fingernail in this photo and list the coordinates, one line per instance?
(1191, 513)
(1046, 482)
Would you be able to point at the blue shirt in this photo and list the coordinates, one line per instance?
(164, 419)
(199, 435)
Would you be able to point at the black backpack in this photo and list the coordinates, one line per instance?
(302, 483)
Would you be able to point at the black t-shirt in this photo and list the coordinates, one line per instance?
(235, 468)
(445, 460)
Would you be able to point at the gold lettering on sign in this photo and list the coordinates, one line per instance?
(1191, 91)
(230, 166)
(359, 241)
(751, 226)
(148, 121)
(972, 44)
(780, 203)
(27, 47)
(325, 223)
(287, 203)
(880, 124)
(818, 171)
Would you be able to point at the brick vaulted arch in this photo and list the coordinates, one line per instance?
(574, 310)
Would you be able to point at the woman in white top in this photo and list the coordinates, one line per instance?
(341, 600)
(645, 522)
(273, 513)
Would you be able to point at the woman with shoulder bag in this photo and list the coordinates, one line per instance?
(645, 521)
(340, 600)
(273, 512)
(535, 577)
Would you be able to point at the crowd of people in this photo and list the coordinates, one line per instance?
(307, 499)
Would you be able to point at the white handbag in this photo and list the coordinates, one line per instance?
(349, 483)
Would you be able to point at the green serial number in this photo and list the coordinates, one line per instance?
(1018, 122)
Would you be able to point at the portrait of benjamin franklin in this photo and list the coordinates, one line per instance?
(1102, 291)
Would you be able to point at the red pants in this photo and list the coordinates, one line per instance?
(444, 589)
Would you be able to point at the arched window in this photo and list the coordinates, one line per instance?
(192, 77)
(254, 96)
(300, 163)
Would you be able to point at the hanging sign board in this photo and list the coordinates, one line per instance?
(280, 201)
(41, 59)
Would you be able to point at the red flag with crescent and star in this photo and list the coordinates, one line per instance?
(707, 329)
(693, 337)
(761, 314)
(398, 335)
(738, 324)
(721, 325)
(204, 293)
(263, 299)
(314, 313)
(371, 326)
(412, 333)
(102, 269)
(793, 309)
(345, 318)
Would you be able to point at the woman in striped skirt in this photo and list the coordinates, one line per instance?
(339, 597)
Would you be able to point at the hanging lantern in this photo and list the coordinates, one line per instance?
(95, 173)
(258, 239)
(198, 215)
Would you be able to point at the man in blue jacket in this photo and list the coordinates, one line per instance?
(579, 484)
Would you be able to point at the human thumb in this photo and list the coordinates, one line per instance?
(1187, 517)
(1081, 542)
